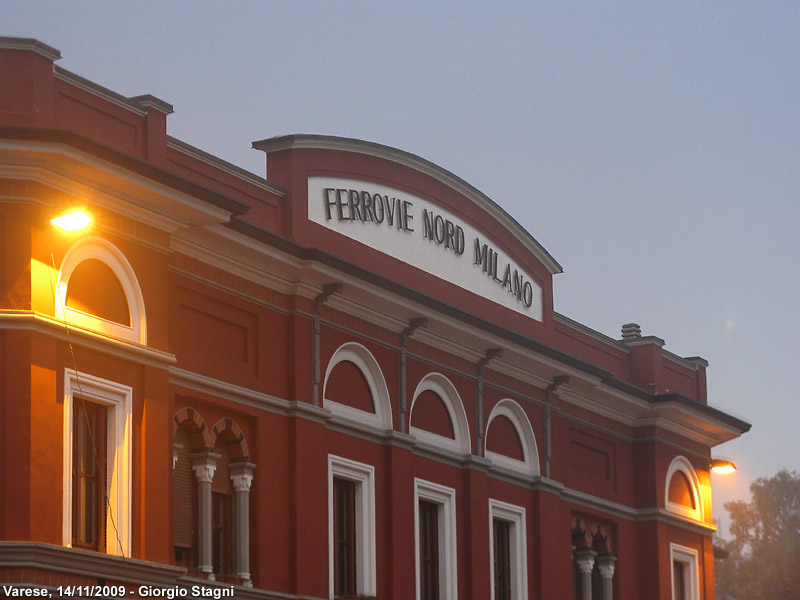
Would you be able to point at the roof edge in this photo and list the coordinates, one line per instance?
(17, 43)
(328, 142)
(126, 161)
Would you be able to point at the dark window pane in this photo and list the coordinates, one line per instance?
(501, 530)
(88, 475)
(344, 537)
(428, 550)
(679, 580)
(220, 533)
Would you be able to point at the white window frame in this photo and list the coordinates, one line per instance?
(518, 543)
(363, 476)
(690, 558)
(112, 257)
(445, 498)
(529, 465)
(680, 463)
(444, 388)
(118, 400)
(365, 362)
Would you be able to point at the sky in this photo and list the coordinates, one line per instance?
(652, 148)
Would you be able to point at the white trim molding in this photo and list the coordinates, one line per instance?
(445, 498)
(689, 557)
(364, 477)
(514, 413)
(444, 388)
(682, 464)
(518, 545)
(118, 399)
(365, 362)
(104, 251)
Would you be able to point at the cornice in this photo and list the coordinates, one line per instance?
(50, 558)
(208, 253)
(99, 91)
(67, 150)
(47, 325)
(588, 331)
(229, 391)
(105, 197)
(223, 165)
(84, 562)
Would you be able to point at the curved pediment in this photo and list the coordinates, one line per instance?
(401, 206)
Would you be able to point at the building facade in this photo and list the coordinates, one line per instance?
(346, 379)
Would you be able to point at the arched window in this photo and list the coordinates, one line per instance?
(211, 506)
(190, 441)
(97, 289)
(355, 388)
(682, 493)
(230, 503)
(444, 391)
(510, 442)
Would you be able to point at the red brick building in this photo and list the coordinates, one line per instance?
(346, 378)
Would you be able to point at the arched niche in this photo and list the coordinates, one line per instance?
(363, 359)
(682, 490)
(444, 388)
(104, 285)
(509, 409)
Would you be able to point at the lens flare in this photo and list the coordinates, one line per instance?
(73, 221)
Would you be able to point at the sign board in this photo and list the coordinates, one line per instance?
(425, 236)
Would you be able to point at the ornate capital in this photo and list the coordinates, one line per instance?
(204, 466)
(241, 483)
(605, 564)
(241, 475)
(585, 560)
(204, 473)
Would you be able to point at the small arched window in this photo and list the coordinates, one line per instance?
(435, 430)
(682, 493)
(355, 388)
(97, 289)
(510, 442)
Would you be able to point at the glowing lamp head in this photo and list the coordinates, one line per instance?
(74, 221)
(722, 466)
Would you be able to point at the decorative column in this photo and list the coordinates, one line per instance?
(605, 564)
(242, 477)
(585, 559)
(204, 464)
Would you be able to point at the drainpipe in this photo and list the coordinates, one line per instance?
(327, 290)
(413, 325)
(491, 354)
(557, 381)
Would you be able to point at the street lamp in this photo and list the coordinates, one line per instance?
(73, 221)
(722, 466)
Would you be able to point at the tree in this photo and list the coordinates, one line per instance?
(764, 552)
